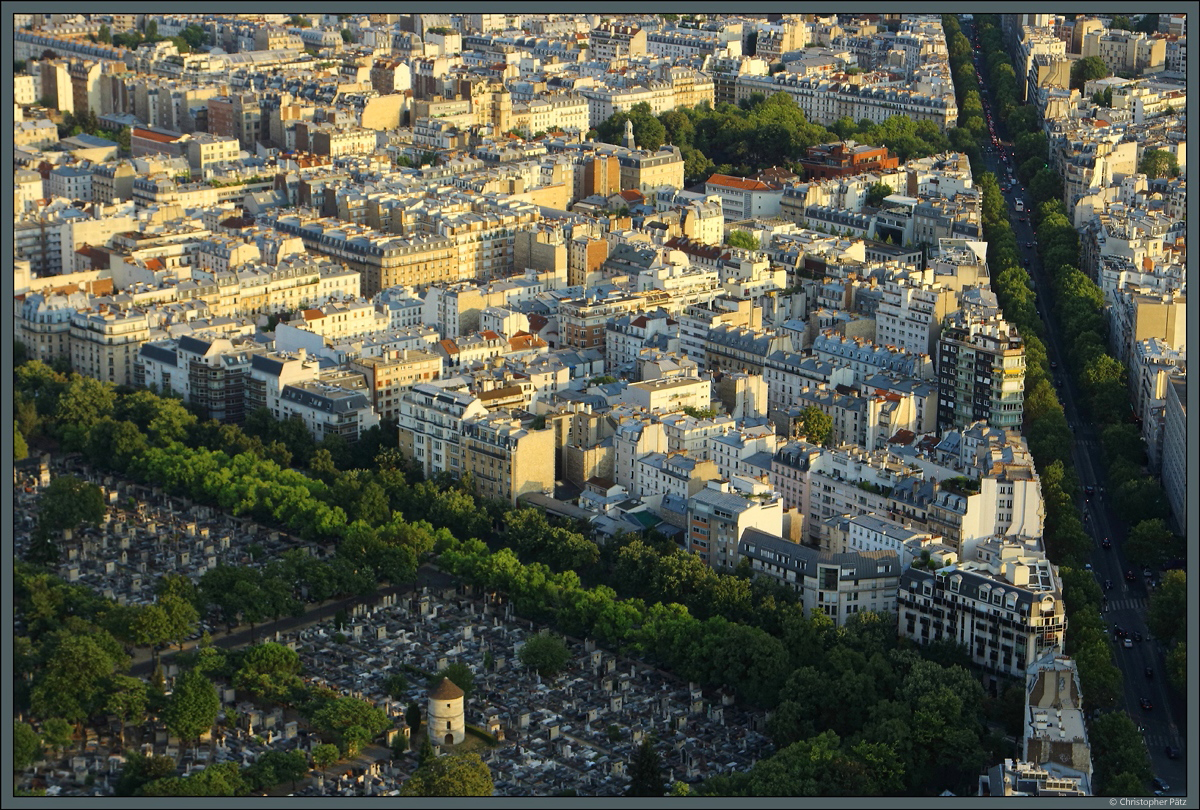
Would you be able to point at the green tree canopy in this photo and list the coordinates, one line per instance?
(742, 239)
(451, 775)
(27, 746)
(646, 776)
(193, 706)
(68, 502)
(815, 425)
(1158, 163)
(1086, 69)
(545, 653)
(877, 193)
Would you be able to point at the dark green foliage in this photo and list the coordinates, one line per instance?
(545, 653)
(646, 771)
(742, 239)
(451, 775)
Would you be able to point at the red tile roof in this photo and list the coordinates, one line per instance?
(738, 182)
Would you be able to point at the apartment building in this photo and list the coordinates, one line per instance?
(667, 395)
(845, 159)
(981, 372)
(430, 426)
(505, 459)
(44, 323)
(1127, 51)
(104, 342)
(389, 374)
(328, 409)
(738, 348)
(910, 315)
(610, 42)
(717, 519)
(840, 585)
(825, 100)
(743, 199)
(1174, 457)
(207, 372)
(1007, 611)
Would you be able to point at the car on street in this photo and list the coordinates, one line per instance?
(1149, 672)
(1087, 566)
(1171, 752)
(1137, 636)
(1146, 704)
(1108, 584)
(1128, 643)
(1029, 244)
(1089, 490)
(1146, 572)
(1053, 364)
(1130, 576)
(1160, 784)
(1106, 543)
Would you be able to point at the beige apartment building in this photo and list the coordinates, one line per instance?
(506, 459)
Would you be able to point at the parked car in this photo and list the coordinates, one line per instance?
(1146, 704)
(1137, 636)
(1160, 784)
(1171, 752)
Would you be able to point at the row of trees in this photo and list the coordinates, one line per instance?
(1122, 761)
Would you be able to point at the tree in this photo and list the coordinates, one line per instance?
(275, 767)
(325, 755)
(127, 699)
(140, 770)
(347, 37)
(1158, 163)
(68, 502)
(20, 449)
(57, 733)
(1167, 616)
(193, 706)
(412, 717)
(1087, 69)
(270, 671)
(815, 425)
(742, 239)
(105, 35)
(460, 675)
(396, 685)
(545, 653)
(27, 746)
(877, 193)
(646, 771)
(1149, 543)
(451, 775)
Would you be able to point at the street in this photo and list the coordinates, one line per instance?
(1126, 602)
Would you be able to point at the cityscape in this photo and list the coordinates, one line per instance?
(599, 405)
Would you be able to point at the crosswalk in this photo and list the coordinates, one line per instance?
(1156, 742)
(1125, 604)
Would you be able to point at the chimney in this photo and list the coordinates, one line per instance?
(302, 354)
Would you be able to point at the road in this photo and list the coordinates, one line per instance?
(1126, 602)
